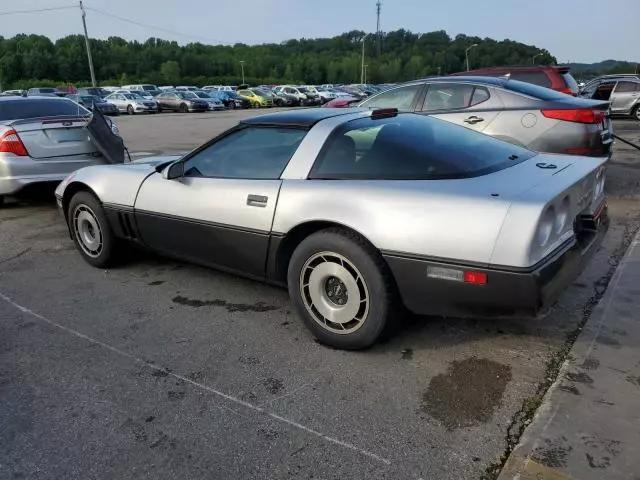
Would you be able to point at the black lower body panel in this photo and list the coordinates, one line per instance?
(507, 292)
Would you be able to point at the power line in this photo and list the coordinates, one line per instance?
(51, 9)
(166, 30)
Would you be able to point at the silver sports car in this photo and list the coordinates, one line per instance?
(358, 212)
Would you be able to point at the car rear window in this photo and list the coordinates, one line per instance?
(412, 147)
(571, 82)
(534, 91)
(20, 109)
(537, 78)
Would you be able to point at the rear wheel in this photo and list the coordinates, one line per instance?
(130, 110)
(1, 200)
(183, 108)
(341, 288)
(636, 112)
(91, 231)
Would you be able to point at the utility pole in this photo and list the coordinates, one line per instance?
(362, 62)
(86, 41)
(378, 32)
(365, 74)
(242, 67)
(466, 54)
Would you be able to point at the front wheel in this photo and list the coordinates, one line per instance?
(636, 113)
(183, 108)
(341, 287)
(130, 110)
(91, 231)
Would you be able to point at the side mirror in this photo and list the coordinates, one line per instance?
(173, 171)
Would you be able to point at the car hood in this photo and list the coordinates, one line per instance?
(118, 183)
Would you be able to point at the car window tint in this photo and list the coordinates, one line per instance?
(447, 96)
(411, 147)
(537, 78)
(34, 108)
(480, 95)
(624, 87)
(252, 153)
(400, 98)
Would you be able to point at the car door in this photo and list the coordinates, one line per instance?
(219, 211)
(117, 99)
(624, 96)
(472, 106)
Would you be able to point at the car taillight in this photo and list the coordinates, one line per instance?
(10, 143)
(582, 115)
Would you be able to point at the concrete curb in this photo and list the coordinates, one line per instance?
(588, 426)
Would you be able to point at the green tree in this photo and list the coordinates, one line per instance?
(170, 72)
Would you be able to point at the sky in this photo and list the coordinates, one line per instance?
(571, 30)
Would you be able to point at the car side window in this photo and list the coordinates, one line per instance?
(537, 78)
(401, 98)
(626, 87)
(249, 153)
(448, 96)
(480, 94)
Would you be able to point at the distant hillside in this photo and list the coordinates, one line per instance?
(606, 66)
(33, 60)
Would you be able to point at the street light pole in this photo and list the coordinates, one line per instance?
(362, 63)
(533, 60)
(86, 41)
(242, 67)
(365, 74)
(466, 54)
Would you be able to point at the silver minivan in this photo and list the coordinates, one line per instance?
(623, 94)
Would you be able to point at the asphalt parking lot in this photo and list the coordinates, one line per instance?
(163, 370)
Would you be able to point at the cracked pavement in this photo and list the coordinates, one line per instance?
(163, 370)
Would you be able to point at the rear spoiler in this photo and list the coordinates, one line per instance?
(50, 119)
(562, 70)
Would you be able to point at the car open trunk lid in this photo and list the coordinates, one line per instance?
(53, 137)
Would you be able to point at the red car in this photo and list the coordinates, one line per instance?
(555, 78)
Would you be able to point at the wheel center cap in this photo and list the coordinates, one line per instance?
(336, 291)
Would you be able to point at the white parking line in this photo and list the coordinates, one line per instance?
(218, 393)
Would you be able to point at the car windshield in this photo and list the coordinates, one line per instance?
(130, 96)
(412, 147)
(148, 87)
(534, 91)
(189, 95)
(136, 95)
(202, 95)
(45, 90)
(89, 98)
(23, 108)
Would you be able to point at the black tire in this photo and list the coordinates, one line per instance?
(360, 260)
(130, 110)
(183, 108)
(636, 113)
(1, 201)
(85, 207)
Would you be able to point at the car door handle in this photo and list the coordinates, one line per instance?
(473, 119)
(257, 200)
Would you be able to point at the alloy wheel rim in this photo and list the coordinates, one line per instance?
(87, 230)
(334, 293)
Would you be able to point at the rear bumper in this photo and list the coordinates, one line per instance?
(507, 293)
(19, 172)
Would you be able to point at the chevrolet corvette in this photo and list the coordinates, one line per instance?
(361, 214)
